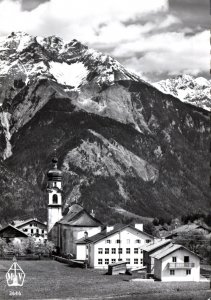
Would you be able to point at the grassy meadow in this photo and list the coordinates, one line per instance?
(53, 280)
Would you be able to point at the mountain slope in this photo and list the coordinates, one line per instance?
(195, 91)
(121, 143)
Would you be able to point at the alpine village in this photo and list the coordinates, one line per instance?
(102, 171)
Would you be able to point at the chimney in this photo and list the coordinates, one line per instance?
(139, 227)
(109, 228)
(92, 213)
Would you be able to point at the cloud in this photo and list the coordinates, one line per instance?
(146, 36)
(74, 16)
(167, 54)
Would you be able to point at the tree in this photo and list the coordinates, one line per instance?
(45, 249)
(3, 246)
(196, 242)
(29, 245)
(207, 219)
(155, 222)
(150, 228)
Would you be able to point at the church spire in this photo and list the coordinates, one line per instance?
(54, 189)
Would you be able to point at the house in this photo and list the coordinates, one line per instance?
(114, 244)
(189, 228)
(149, 249)
(63, 231)
(33, 227)
(176, 263)
(12, 234)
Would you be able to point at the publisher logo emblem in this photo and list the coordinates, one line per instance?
(15, 275)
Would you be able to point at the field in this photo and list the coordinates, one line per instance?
(51, 279)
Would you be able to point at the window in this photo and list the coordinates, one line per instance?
(148, 241)
(137, 241)
(32, 231)
(108, 241)
(25, 229)
(42, 230)
(118, 241)
(113, 250)
(186, 259)
(119, 259)
(128, 260)
(37, 230)
(135, 261)
(113, 260)
(174, 259)
(127, 250)
(128, 241)
(120, 250)
(106, 250)
(55, 199)
(100, 261)
(31, 224)
(141, 251)
(100, 250)
(106, 261)
(188, 272)
(141, 261)
(135, 250)
(172, 272)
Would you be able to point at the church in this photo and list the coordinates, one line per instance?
(63, 231)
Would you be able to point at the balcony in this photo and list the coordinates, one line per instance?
(181, 265)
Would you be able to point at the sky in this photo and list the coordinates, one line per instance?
(156, 39)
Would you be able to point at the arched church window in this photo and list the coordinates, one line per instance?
(55, 199)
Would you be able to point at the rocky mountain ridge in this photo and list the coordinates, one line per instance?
(122, 144)
(196, 91)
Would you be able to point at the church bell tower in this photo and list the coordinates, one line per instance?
(54, 190)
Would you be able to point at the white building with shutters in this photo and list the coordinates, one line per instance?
(176, 263)
(114, 244)
(33, 227)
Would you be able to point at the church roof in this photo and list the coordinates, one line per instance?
(78, 216)
(54, 174)
(10, 231)
(104, 234)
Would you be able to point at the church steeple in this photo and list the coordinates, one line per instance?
(54, 189)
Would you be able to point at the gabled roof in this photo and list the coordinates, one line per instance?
(170, 248)
(188, 228)
(104, 234)
(152, 247)
(10, 231)
(78, 216)
(21, 223)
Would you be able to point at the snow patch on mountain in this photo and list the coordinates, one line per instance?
(24, 42)
(65, 74)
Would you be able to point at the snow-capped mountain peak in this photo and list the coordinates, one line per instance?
(53, 58)
(195, 91)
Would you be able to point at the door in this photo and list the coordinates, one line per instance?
(186, 259)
